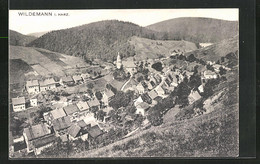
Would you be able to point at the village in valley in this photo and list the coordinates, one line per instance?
(115, 87)
(93, 109)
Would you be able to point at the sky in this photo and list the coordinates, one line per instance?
(142, 17)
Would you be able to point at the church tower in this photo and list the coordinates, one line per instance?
(118, 61)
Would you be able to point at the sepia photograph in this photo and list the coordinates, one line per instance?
(124, 83)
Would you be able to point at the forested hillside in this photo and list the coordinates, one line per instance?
(18, 39)
(95, 40)
(197, 29)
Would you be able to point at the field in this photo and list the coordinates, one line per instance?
(147, 48)
(44, 62)
(215, 51)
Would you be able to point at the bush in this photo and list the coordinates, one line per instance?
(157, 66)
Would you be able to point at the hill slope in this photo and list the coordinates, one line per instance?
(40, 62)
(95, 40)
(197, 29)
(217, 50)
(153, 49)
(18, 39)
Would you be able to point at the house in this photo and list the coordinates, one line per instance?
(160, 91)
(89, 119)
(85, 77)
(140, 88)
(47, 84)
(33, 102)
(201, 88)
(57, 113)
(217, 67)
(72, 111)
(93, 103)
(38, 137)
(19, 147)
(152, 94)
(108, 94)
(79, 130)
(61, 125)
(94, 132)
(142, 108)
(117, 84)
(131, 85)
(209, 75)
(138, 101)
(77, 79)
(129, 66)
(66, 80)
(18, 104)
(83, 108)
(193, 96)
(32, 86)
(73, 131)
(149, 85)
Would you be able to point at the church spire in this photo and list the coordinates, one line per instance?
(118, 61)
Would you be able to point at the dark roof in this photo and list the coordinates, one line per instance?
(70, 109)
(82, 123)
(36, 131)
(74, 130)
(19, 146)
(93, 103)
(18, 100)
(61, 123)
(95, 131)
(76, 78)
(47, 82)
(32, 83)
(152, 94)
(109, 93)
(67, 79)
(44, 141)
(117, 84)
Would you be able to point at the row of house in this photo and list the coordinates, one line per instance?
(35, 86)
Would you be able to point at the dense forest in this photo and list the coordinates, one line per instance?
(196, 29)
(18, 39)
(95, 40)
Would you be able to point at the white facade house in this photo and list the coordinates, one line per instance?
(18, 104)
(32, 86)
(33, 102)
(47, 84)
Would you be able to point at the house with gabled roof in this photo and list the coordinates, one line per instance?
(47, 84)
(93, 103)
(94, 132)
(140, 88)
(57, 113)
(142, 108)
(77, 79)
(38, 138)
(85, 77)
(193, 96)
(72, 110)
(66, 80)
(129, 66)
(18, 104)
(160, 91)
(108, 94)
(61, 125)
(152, 94)
(32, 86)
(83, 108)
(73, 131)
